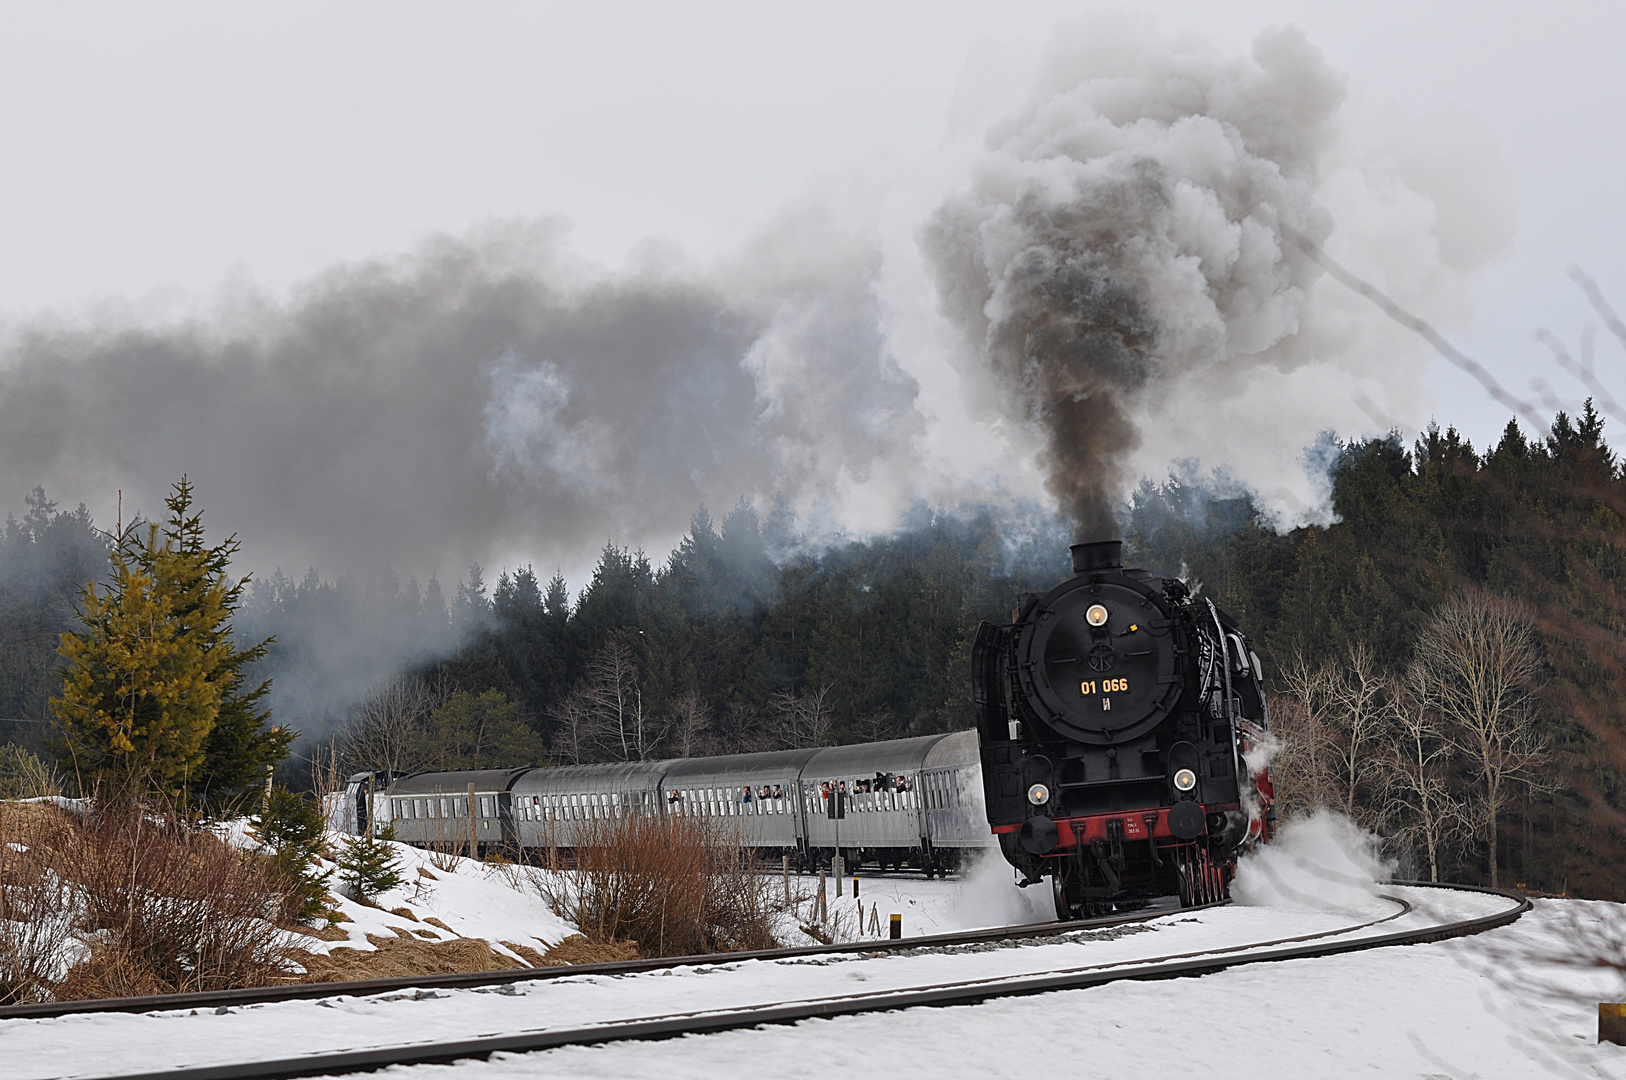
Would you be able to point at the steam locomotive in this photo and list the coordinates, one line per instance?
(1117, 715)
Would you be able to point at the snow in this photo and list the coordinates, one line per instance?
(493, 901)
(1501, 1004)
(1428, 1011)
(106, 1044)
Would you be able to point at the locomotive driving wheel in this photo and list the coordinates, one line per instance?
(1064, 906)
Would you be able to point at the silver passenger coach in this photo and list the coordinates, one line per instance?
(902, 803)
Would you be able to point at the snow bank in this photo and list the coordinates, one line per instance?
(1320, 861)
(466, 897)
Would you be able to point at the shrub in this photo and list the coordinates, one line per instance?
(369, 865)
(167, 909)
(36, 903)
(666, 885)
(291, 826)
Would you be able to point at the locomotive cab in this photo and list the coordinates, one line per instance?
(1115, 715)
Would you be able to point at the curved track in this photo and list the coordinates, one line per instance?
(1324, 943)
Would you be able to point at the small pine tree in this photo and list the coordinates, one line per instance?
(291, 826)
(368, 865)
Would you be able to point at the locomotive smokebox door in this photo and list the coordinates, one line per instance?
(1097, 662)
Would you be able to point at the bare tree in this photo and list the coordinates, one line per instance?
(1354, 713)
(380, 732)
(573, 735)
(1305, 770)
(875, 725)
(689, 726)
(603, 715)
(1420, 808)
(803, 721)
(1479, 659)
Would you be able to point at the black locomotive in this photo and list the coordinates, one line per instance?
(1116, 715)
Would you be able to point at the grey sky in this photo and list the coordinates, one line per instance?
(159, 152)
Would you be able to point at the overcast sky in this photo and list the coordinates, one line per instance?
(156, 153)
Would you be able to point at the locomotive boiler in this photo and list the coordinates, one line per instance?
(1117, 715)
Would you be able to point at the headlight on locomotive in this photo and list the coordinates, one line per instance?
(1185, 779)
(1038, 794)
(1096, 616)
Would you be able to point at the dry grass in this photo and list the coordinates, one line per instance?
(36, 902)
(400, 957)
(665, 885)
(580, 949)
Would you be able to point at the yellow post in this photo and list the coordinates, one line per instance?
(1612, 1023)
(897, 926)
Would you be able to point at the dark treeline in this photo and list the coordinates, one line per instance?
(45, 556)
(1538, 522)
(721, 649)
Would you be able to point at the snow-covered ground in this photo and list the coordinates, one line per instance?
(112, 1043)
(466, 897)
(1441, 1011)
(1495, 1005)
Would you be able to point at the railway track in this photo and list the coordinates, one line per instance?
(961, 992)
(468, 980)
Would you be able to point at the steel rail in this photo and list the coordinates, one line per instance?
(936, 996)
(257, 995)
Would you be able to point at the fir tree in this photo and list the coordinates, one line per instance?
(369, 865)
(155, 692)
(291, 826)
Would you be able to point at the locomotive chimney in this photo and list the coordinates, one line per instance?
(1098, 555)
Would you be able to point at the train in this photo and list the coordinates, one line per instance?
(1118, 754)
(903, 804)
(1122, 731)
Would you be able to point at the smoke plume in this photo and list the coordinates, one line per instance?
(1122, 236)
(480, 399)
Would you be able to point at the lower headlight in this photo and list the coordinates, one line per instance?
(1038, 794)
(1185, 779)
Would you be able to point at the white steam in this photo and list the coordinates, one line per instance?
(988, 896)
(1320, 861)
(1262, 750)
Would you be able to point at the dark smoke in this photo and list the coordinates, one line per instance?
(479, 400)
(1121, 240)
